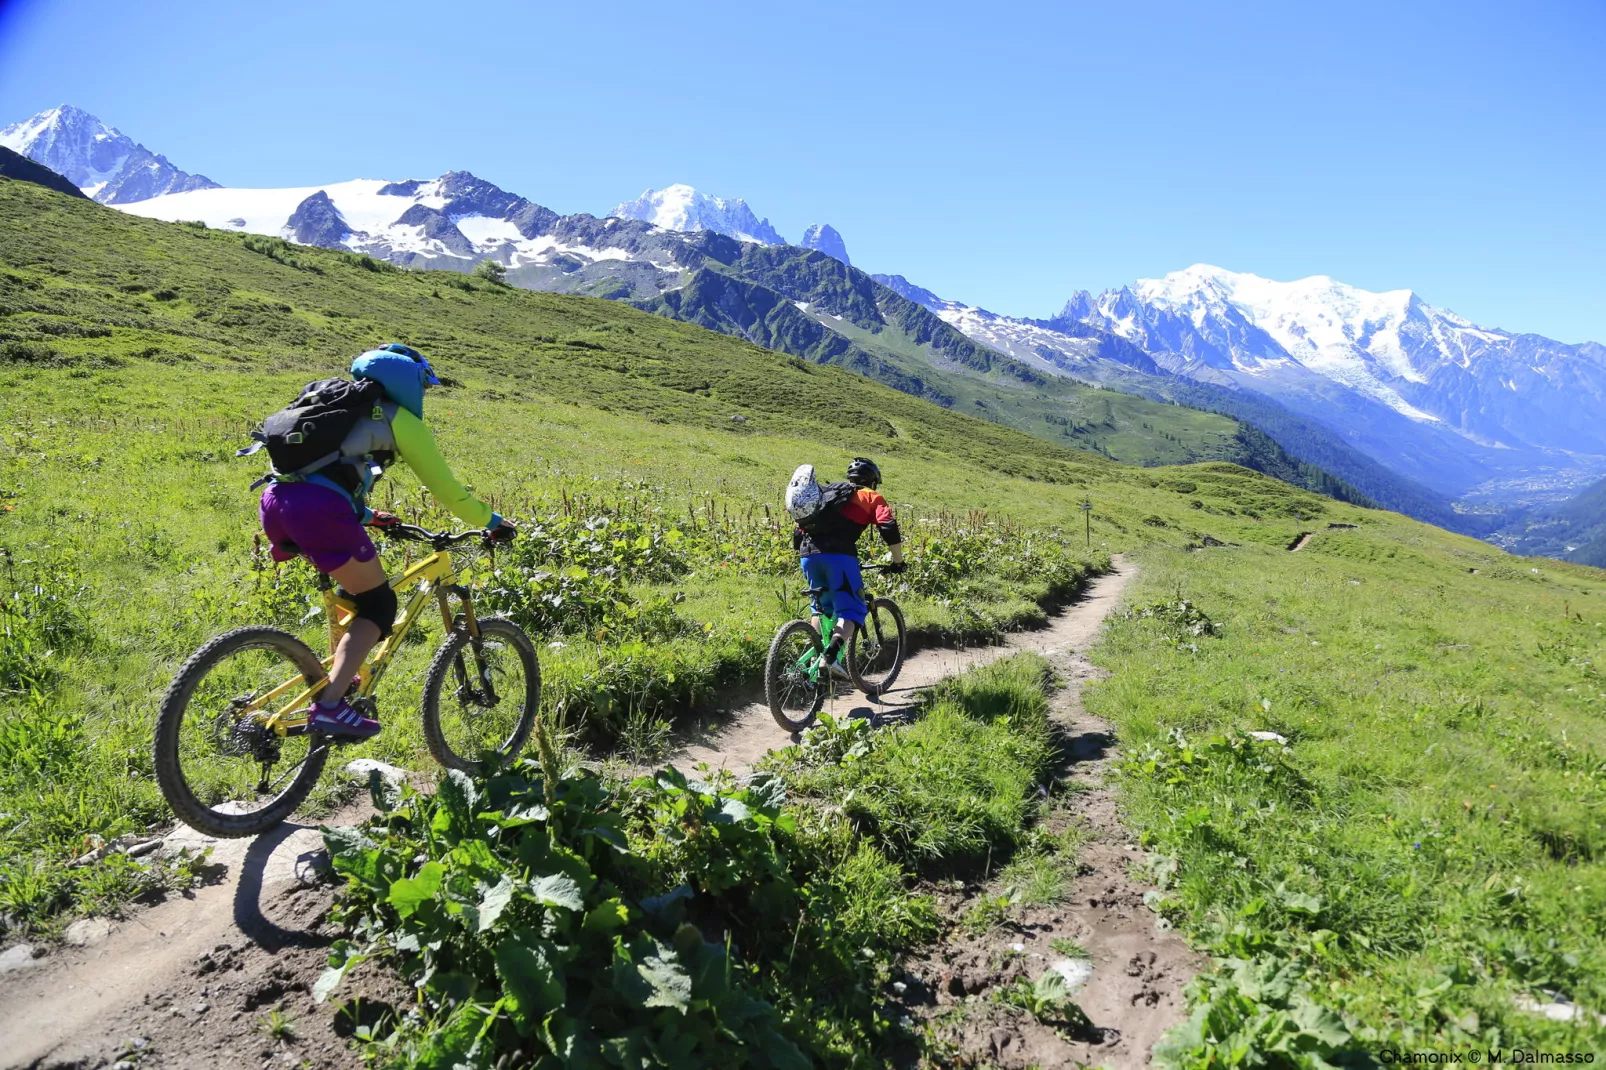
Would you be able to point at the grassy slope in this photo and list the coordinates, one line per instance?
(137, 354)
(106, 320)
(1442, 797)
(1082, 417)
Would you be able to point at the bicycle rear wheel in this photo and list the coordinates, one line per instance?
(480, 701)
(875, 653)
(221, 770)
(794, 689)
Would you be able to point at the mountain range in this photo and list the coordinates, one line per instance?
(100, 160)
(1423, 390)
(1407, 404)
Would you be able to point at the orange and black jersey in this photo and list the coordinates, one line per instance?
(838, 531)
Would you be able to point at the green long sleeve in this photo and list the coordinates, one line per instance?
(416, 446)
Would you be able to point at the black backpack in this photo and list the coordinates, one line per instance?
(306, 435)
(833, 496)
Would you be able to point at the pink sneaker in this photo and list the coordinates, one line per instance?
(340, 720)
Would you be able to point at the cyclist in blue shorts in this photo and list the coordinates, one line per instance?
(829, 552)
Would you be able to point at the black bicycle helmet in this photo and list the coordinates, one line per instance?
(864, 472)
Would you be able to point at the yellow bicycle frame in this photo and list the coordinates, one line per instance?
(433, 575)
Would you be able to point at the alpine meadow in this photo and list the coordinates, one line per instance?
(1362, 760)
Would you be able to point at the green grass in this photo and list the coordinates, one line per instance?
(1371, 872)
(1431, 845)
(952, 788)
(1040, 878)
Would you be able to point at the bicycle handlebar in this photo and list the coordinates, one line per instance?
(439, 540)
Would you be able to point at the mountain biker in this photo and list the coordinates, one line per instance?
(321, 516)
(829, 555)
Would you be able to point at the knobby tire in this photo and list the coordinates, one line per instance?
(456, 656)
(170, 777)
(783, 657)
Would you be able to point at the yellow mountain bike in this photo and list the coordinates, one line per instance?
(233, 753)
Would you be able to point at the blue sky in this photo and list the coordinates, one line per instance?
(1002, 154)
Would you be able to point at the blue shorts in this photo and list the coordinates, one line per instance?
(843, 594)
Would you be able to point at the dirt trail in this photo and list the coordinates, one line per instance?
(1134, 991)
(1134, 972)
(187, 983)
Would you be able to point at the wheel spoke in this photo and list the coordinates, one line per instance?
(219, 764)
(878, 646)
(794, 686)
(478, 702)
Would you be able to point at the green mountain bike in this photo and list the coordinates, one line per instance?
(796, 680)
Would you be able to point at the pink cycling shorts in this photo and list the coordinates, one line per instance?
(312, 520)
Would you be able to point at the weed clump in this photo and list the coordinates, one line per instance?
(41, 617)
(1179, 621)
(1048, 1000)
(567, 918)
(955, 786)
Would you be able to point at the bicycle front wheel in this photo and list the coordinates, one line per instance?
(795, 688)
(480, 700)
(875, 653)
(220, 768)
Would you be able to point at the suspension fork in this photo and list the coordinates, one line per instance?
(443, 592)
(872, 618)
(472, 626)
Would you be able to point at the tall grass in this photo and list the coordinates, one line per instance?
(952, 788)
(1427, 850)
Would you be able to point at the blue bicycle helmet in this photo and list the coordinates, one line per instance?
(412, 354)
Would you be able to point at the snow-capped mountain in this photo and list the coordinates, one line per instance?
(1463, 409)
(106, 164)
(680, 207)
(452, 221)
(1058, 352)
(824, 237)
(1420, 388)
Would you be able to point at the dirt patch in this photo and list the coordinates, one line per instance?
(1301, 540)
(194, 981)
(1127, 973)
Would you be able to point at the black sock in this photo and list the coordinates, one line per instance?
(833, 648)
